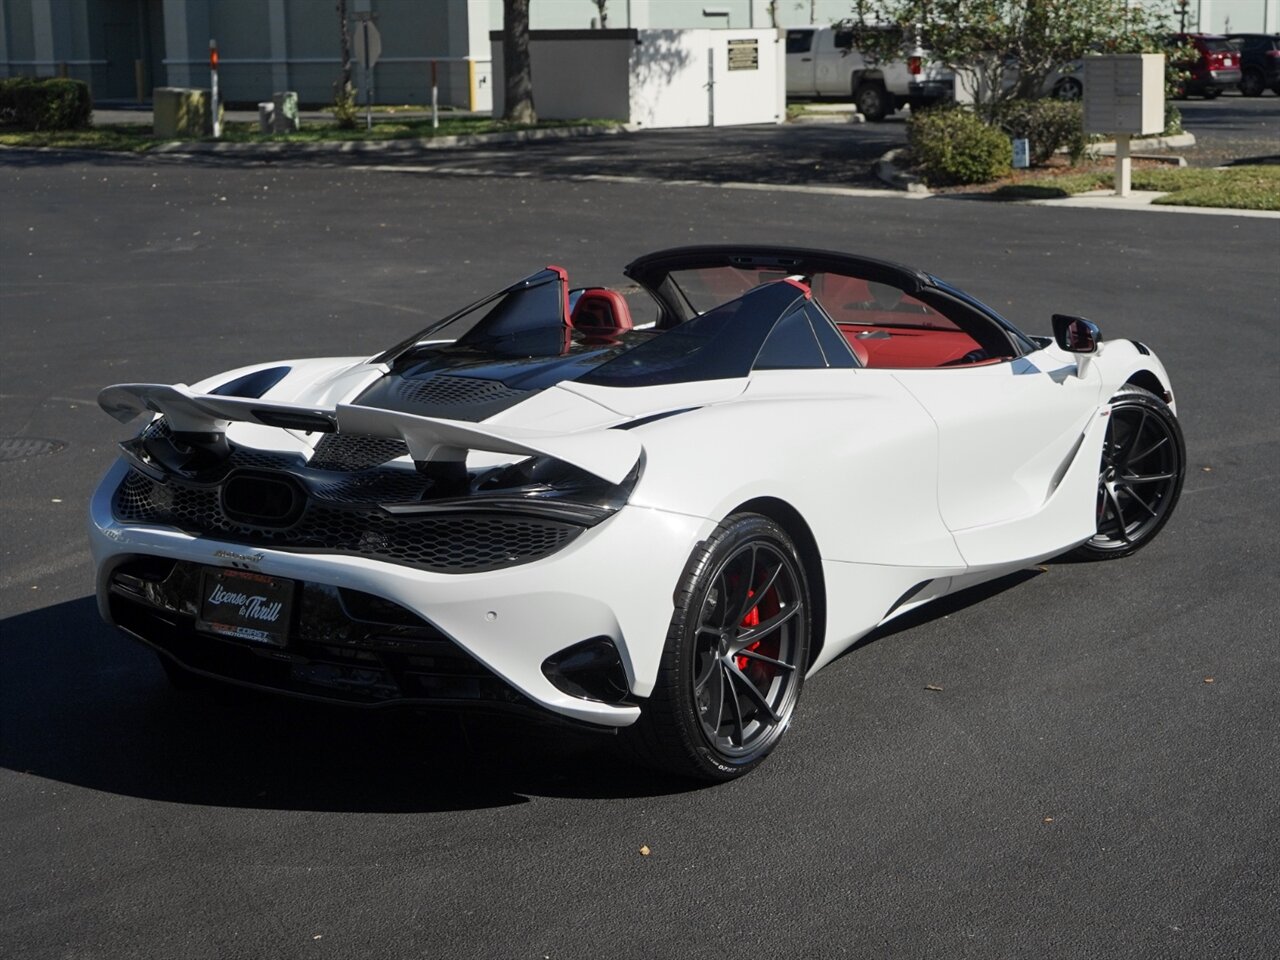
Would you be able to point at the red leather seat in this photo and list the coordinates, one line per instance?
(601, 313)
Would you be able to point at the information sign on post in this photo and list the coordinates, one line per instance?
(368, 49)
(1021, 153)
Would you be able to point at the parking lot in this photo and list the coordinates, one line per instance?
(1096, 776)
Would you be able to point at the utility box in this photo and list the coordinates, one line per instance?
(180, 112)
(284, 116)
(1124, 94)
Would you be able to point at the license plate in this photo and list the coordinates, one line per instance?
(246, 605)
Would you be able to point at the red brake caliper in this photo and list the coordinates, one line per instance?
(752, 619)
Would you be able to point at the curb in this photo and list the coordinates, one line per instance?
(888, 171)
(329, 147)
(828, 119)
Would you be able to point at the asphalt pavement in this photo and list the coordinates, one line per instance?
(1230, 129)
(1096, 776)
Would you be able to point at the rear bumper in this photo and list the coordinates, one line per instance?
(1213, 80)
(927, 93)
(495, 628)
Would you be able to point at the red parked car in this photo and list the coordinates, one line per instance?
(1216, 67)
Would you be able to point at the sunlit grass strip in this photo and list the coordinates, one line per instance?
(138, 137)
(1253, 187)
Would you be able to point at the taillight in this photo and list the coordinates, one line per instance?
(914, 65)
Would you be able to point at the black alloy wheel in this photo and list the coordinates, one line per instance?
(872, 101)
(736, 652)
(1251, 84)
(1143, 466)
(1069, 89)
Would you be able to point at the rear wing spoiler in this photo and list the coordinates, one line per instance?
(608, 454)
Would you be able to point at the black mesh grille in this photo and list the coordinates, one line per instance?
(449, 391)
(335, 520)
(338, 451)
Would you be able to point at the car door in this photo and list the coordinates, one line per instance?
(832, 79)
(800, 63)
(1010, 435)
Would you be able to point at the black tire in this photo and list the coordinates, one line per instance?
(1252, 84)
(1144, 461)
(1069, 89)
(732, 670)
(872, 100)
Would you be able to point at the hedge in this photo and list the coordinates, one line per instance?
(953, 145)
(49, 104)
(1048, 125)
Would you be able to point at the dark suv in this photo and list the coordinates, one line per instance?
(1259, 62)
(1216, 67)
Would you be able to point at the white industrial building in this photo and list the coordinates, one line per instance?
(126, 47)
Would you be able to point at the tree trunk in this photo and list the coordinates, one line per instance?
(516, 68)
(344, 33)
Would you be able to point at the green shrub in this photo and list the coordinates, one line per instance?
(50, 104)
(952, 145)
(344, 106)
(1048, 125)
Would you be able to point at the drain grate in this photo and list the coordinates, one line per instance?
(24, 448)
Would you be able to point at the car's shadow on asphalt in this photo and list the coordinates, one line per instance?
(946, 606)
(82, 704)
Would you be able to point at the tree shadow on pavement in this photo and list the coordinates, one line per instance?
(82, 704)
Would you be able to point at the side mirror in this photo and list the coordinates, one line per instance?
(1076, 334)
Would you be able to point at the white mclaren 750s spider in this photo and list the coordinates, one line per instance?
(652, 511)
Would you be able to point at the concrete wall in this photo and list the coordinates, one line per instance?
(1232, 16)
(651, 78)
(263, 45)
(670, 73)
(1215, 16)
(681, 14)
(269, 45)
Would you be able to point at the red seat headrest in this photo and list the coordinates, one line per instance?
(601, 313)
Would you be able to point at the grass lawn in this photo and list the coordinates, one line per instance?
(1245, 187)
(138, 137)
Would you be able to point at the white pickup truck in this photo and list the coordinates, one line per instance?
(821, 62)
